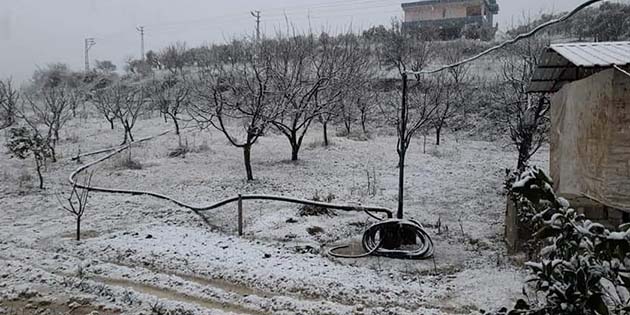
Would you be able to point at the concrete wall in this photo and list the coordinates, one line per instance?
(441, 11)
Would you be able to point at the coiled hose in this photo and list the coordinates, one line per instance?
(376, 235)
(373, 238)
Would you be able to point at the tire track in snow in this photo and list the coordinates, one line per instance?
(157, 292)
(174, 286)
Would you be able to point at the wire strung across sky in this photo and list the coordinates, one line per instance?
(316, 11)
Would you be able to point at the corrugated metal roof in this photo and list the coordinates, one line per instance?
(604, 54)
(564, 63)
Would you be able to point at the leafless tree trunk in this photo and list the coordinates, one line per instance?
(454, 84)
(105, 103)
(298, 85)
(50, 107)
(524, 114)
(76, 203)
(417, 104)
(127, 103)
(172, 97)
(238, 89)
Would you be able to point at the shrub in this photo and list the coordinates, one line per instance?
(24, 142)
(582, 267)
(309, 210)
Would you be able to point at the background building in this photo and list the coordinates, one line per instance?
(451, 18)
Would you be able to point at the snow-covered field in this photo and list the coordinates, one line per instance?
(146, 256)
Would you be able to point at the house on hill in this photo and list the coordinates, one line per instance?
(450, 17)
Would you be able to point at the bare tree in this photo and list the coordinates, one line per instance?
(328, 60)
(133, 103)
(346, 62)
(455, 83)
(524, 114)
(77, 97)
(358, 105)
(9, 98)
(105, 104)
(303, 91)
(239, 90)
(172, 96)
(404, 52)
(50, 107)
(360, 96)
(76, 203)
(174, 58)
(416, 109)
(366, 105)
(123, 102)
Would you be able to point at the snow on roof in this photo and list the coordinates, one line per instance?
(604, 54)
(564, 63)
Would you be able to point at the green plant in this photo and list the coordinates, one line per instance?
(24, 142)
(583, 267)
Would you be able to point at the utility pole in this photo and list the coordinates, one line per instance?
(89, 43)
(141, 30)
(256, 14)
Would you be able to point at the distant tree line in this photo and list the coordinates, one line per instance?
(608, 22)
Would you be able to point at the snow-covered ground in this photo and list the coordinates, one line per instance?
(142, 255)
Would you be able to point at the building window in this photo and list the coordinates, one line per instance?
(473, 11)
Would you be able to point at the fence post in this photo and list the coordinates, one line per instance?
(240, 215)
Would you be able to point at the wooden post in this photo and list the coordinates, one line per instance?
(240, 215)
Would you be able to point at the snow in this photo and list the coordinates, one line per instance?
(142, 250)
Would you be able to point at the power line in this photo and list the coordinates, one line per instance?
(282, 11)
(356, 11)
(273, 14)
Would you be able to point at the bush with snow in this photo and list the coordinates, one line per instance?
(582, 267)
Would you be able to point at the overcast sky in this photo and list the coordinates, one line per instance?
(37, 32)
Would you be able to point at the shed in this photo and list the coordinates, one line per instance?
(590, 125)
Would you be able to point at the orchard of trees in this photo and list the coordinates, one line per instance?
(287, 84)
